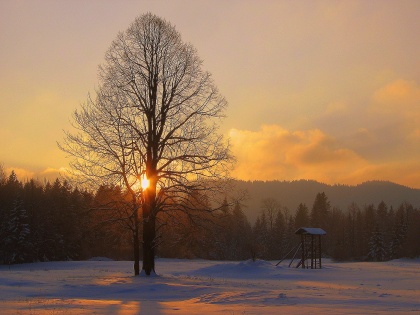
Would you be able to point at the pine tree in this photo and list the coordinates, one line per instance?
(302, 216)
(368, 218)
(17, 235)
(410, 247)
(224, 233)
(289, 238)
(399, 231)
(241, 234)
(320, 211)
(260, 232)
(377, 250)
(279, 235)
(352, 228)
(270, 208)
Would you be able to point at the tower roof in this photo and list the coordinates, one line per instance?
(311, 231)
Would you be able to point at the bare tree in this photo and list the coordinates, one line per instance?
(271, 208)
(155, 113)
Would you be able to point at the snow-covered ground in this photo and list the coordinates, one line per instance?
(208, 287)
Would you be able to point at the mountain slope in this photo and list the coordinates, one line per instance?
(291, 194)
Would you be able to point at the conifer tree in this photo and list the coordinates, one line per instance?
(279, 231)
(17, 235)
(302, 216)
(320, 211)
(241, 233)
(377, 251)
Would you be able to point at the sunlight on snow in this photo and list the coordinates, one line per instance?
(209, 287)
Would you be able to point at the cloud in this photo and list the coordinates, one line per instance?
(381, 125)
(395, 109)
(316, 148)
(398, 96)
(21, 173)
(275, 153)
(347, 142)
(49, 174)
(405, 172)
(398, 102)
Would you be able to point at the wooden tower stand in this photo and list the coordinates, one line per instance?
(311, 248)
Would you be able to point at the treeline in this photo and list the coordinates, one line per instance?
(40, 222)
(54, 221)
(374, 233)
(292, 193)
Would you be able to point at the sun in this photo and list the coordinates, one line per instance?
(144, 182)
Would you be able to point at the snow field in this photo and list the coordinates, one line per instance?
(209, 287)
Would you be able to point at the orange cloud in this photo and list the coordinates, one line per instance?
(400, 91)
(316, 148)
(52, 173)
(396, 107)
(48, 174)
(274, 153)
(405, 172)
(398, 99)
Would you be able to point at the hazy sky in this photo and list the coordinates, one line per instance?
(324, 90)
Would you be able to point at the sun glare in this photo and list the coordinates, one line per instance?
(144, 182)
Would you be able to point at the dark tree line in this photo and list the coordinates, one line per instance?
(374, 233)
(54, 221)
(40, 222)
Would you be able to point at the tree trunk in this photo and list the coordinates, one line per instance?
(149, 245)
(149, 228)
(136, 240)
(136, 244)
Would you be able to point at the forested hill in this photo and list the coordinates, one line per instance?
(291, 194)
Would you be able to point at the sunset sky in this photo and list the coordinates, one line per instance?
(324, 90)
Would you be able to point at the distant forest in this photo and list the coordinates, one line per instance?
(54, 221)
(291, 193)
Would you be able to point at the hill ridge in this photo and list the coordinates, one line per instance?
(291, 193)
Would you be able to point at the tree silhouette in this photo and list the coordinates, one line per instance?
(320, 211)
(154, 114)
(377, 249)
(17, 234)
(302, 216)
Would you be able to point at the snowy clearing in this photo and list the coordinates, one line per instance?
(209, 287)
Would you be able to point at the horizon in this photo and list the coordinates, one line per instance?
(62, 178)
(304, 100)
